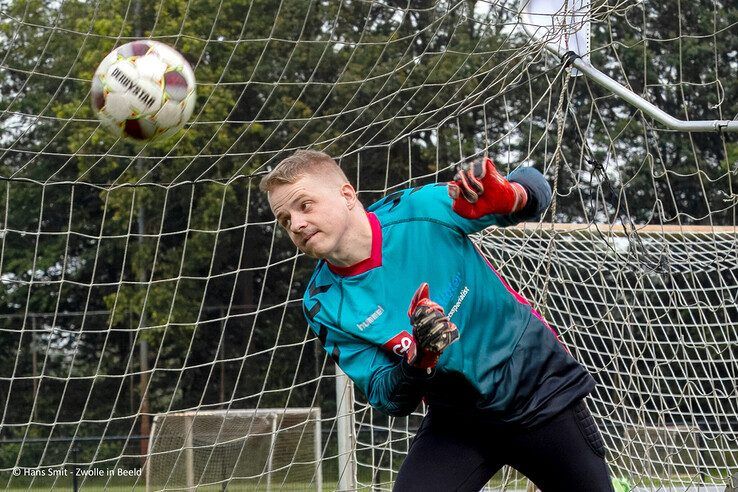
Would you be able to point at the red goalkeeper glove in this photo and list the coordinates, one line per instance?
(478, 190)
(433, 331)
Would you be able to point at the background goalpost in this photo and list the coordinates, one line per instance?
(146, 293)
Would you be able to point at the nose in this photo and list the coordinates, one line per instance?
(297, 223)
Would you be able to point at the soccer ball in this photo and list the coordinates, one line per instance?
(143, 90)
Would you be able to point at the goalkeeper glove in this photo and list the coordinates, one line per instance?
(478, 189)
(433, 331)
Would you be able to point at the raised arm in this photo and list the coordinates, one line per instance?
(478, 190)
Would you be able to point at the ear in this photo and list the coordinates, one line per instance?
(349, 194)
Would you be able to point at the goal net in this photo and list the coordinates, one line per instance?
(269, 448)
(651, 313)
(145, 280)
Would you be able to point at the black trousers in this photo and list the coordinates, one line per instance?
(450, 452)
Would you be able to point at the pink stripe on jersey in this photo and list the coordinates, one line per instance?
(517, 295)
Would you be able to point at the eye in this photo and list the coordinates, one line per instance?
(305, 206)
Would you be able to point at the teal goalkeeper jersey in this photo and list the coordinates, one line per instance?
(508, 363)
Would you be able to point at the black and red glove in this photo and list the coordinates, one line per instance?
(433, 331)
(478, 189)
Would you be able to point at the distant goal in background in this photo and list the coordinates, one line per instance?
(271, 449)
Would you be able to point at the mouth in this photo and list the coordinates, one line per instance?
(308, 238)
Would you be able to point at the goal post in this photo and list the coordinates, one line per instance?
(563, 27)
(271, 448)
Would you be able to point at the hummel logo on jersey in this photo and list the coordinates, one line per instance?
(371, 318)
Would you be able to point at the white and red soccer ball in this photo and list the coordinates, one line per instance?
(143, 90)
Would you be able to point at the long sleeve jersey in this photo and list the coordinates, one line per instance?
(507, 364)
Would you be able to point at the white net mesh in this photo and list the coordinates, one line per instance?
(145, 280)
(652, 319)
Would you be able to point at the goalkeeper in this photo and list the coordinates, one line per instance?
(500, 387)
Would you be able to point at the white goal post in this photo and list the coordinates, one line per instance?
(272, 448)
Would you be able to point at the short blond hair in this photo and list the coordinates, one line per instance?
(299, 164)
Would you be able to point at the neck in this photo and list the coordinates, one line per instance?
(356, 244)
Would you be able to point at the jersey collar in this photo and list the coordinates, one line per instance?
(367, 264)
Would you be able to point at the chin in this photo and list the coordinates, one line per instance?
(310, 251)
(314, 254)
(316, 250)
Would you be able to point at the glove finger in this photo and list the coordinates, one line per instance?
(425, 324)
(425, 335)
(435, 344)
(453, 190)
(435, 330)
(445, 337)
(422, 314)
(467, 190)
(441, 326)
(436, 327)
(424, 308)
(460, 169)
(482, 167)
(474, 182)
(467, 177)
(421, 295)
(453, 335)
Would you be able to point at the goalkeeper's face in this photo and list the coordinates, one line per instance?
(316, 212)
